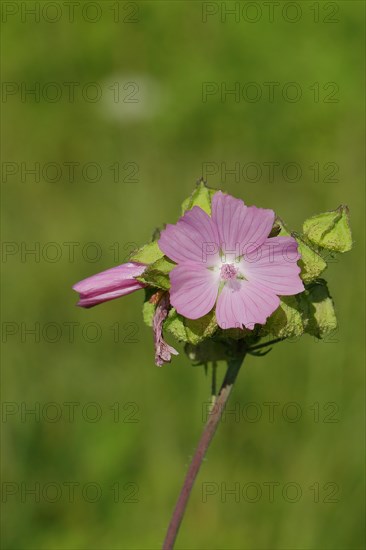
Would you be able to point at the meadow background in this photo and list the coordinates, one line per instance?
(127, 446)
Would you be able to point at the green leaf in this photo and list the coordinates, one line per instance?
(286, 321)
(200, 329)
(175, 325)
(201, 197)
(330, 230)
(188, 330)
(157, 274)
(163, 266)
(148, 254)
(148, 309)
(322, 319)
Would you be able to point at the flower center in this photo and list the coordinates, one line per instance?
(228, 271)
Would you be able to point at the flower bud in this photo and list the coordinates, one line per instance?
(330, 230)
(322, 319)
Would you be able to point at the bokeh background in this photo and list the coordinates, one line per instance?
(115, 161)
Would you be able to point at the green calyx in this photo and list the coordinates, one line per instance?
(330, 230)
(147, 254)
(201, 197)
(321, 317)
(311, 263)
(310, 312)
(157, 273)
(191, 331)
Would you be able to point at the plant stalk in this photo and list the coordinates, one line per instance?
(207, 435)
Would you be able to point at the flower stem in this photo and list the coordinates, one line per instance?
(207, 435)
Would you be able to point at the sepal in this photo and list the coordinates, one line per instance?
(201, 197)
(189, 330)
(157, 273)
(147, 254)
(311, 263)
(286, 321)
(322, 318)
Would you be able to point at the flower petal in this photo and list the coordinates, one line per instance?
(244, 303)
(109, 284)
(194, 289)
(194, 238)
(274, 266)
(240, 227)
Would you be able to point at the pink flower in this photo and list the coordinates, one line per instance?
(109, 284)
(228, 260)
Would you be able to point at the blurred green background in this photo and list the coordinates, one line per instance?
(151, 134)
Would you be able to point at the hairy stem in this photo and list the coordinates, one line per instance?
(207, 435)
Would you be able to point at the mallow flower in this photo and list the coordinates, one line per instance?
(229, 259)
(227, 280)
(225, 265)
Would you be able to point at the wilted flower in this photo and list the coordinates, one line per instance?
(229, 260)
(163, 352)
(109, 284)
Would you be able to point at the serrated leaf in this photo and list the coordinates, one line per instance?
(322, 318)
(148, 254)
(201, 197)
(188, 330)
(330, 230)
